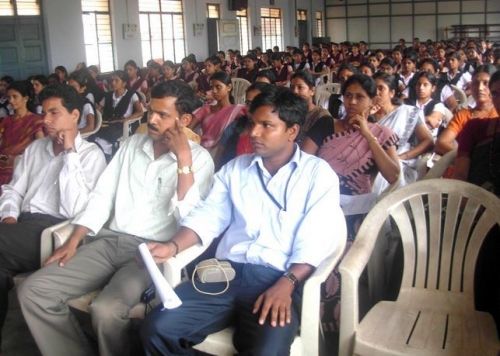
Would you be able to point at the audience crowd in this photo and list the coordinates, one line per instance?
(278, 180)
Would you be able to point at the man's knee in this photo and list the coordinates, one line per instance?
(108, 314)
(38, 290)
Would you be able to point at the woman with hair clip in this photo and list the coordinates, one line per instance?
(79, 80)
(17, 131)
(117, 106)
(406, 121)
(424, 85)
(214, 119)
(302, 84)
(357, 150)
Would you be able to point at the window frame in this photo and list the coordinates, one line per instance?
(177, 57)
(98, 43)
(15, 8)
(275, 22)
(320, 32)
(245, 36)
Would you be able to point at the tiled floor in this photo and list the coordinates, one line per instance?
(16, 337)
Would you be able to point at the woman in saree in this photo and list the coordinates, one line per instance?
(17, 131)
(214, 119)
(357, 150)
(406, 121)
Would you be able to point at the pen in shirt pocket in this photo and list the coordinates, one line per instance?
(159, 185)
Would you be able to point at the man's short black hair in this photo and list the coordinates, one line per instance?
(291, 108)
(70, 98)
(186, 101)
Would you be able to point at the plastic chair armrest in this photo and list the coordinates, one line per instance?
(172, 268)
(53, 237)
(311, 300)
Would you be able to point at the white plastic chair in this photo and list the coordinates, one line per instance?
(323, 93)
(240, 87)
(442, 224)
(220, 343)
(460, 96)
(56, 235)
(439, 167)
(97, 126)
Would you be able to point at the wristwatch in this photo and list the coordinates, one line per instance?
(291, 277)
(184, 170)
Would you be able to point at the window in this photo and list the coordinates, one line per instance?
(245, 43)
(97, 34)
(271, 24)
(301, 15)
(213, 11)
(162, 30)
(19, 7)
(319, 24)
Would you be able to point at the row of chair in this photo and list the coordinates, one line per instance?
(442, 224)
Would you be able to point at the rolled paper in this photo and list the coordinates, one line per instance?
(165, 291)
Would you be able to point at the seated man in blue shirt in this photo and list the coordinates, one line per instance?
(279, 213)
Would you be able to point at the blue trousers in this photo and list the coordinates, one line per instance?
(175, 331)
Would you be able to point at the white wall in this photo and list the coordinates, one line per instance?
(64, 28)
(63, 32)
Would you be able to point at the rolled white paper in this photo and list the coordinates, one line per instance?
(166, 293)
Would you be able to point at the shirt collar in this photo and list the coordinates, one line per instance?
(294, 161)
(78, 144)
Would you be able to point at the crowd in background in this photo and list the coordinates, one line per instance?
(396, 113)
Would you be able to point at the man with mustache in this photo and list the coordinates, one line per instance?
(152, 182)
(51, 182)
(279, 216)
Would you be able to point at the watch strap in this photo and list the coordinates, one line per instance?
(184, 170)
(291, 277)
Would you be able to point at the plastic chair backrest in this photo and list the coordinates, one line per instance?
(97, 126)
(442, 223)
(240, 86)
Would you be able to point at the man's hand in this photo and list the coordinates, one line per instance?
(277, 301)
(161, 252)
(67, 138)
(63, 254)
(176, 140)
(9, 220)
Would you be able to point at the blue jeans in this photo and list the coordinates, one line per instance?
(174, 331)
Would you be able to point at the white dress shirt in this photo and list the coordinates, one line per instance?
(305, 228)
(54, 185)
(141, 191)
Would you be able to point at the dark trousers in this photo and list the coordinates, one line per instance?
(174, 331)
(19, 252)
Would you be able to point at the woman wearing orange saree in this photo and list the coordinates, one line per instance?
(17, 131)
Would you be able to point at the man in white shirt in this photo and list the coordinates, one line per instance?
(152, 182)
(51, 182)
(279, 216)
